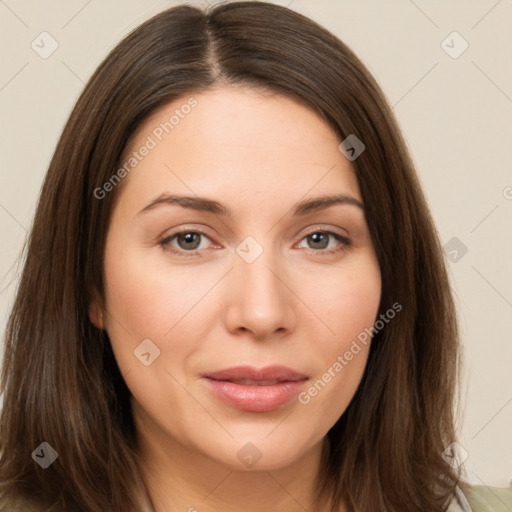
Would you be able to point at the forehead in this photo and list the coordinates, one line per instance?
(237, 142)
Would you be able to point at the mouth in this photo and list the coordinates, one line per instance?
(249, 382)
(255, 390)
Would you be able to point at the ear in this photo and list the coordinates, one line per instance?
(96, 312)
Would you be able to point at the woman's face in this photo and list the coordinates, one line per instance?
(258, 278)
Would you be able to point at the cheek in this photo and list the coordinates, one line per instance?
(149, 299)
(143, 304)
(350, 311)
(150, 302)
(353, 301)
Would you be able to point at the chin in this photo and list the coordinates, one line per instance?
(262, 452)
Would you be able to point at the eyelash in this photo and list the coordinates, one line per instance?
(165, 243)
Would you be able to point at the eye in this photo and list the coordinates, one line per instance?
(188, 241)
(321, 241)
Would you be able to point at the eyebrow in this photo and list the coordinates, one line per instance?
(208, 205)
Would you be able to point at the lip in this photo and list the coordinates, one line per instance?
(261, 393)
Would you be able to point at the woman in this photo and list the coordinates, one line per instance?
(245, 301)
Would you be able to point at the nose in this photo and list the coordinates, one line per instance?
(260, 298)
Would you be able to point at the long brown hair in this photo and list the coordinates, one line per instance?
(60, 381)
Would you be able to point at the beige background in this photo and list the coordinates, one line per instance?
(455, 113)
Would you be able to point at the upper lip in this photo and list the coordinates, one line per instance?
(268, 373)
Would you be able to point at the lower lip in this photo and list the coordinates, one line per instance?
(255, 398)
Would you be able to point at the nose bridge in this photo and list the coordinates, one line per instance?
(257, 265)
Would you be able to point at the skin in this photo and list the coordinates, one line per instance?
(258, 154)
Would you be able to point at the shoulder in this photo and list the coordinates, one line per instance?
(481, 498)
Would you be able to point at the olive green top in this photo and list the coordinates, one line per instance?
(490, 499)
(478, 499)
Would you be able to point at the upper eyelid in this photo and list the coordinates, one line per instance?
(316, 228)
(310, 229)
